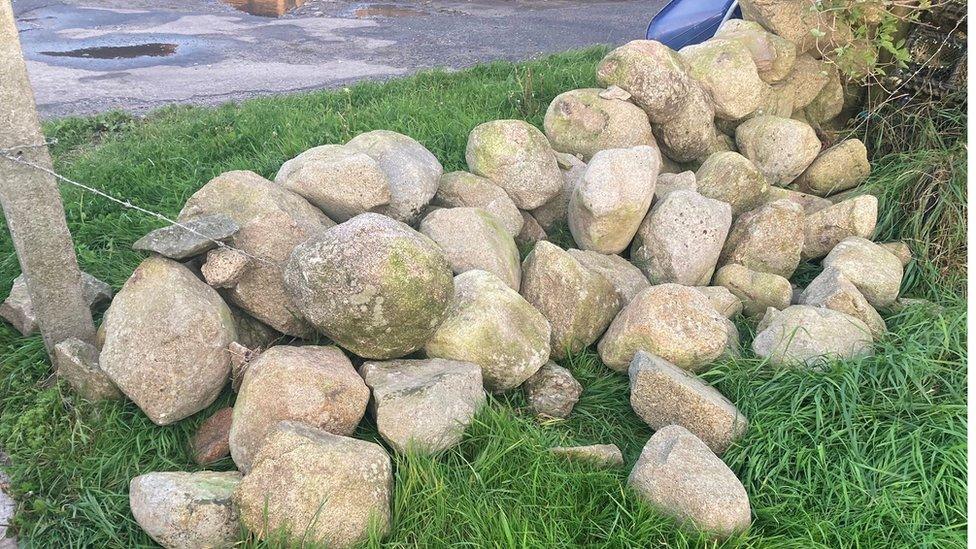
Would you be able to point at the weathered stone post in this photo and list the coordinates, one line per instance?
(32, 205)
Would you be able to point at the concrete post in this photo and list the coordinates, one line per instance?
(32, 205)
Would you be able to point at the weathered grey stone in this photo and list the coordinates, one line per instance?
(602, 455)
(211, 442)
(166, 338)
(826, 228)
(681, 238)
(768, 239)
(316, 487)
(873, 269)
(832, 290)
(423, 405)
(841, 167)
(531, 232)
(372, 284)
(734, 179)
(313, 385)
(626, 279)
(663, 394)
(801, 334)
(224, 267)
(578, 303)
(774, 56)
(756, 290)
(252, 333)
(727, 72)
(607, 206)
(471, 239)
(724, 301)
(652, 73)
(77, 363)
(675, 322)
(188, 239)
(19, 312)
(901, 250)
(552, 215)
(466, 190)
(341, 181)
(669, 182)
(272, 221)
(677, 474)
(800, 22)
(810, 203)
(829, 103)
(582, 122)
(689, 133)
(186, 510)
(780, 147)
(552, 391)
(413, 172)
(491, 325)
(806, 81)
(518, 158)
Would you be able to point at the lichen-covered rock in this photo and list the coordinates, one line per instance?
(552, 391)
(669, 182)
(188, 239)
(689, 132)
(603, 455)
(186, 510)
(372, 284)
(832, 290)
(491, 325)
(773, 55)
(224, 267)
(678, 475)
(724, 301)
(578, 303)
(806, 81)
(166, 335)
(423, 405)
(768, 239)
(681, 238)
(607, 206)
(412, 171)
(518, 158)
(874, 270)
(756, 291)
(674, 322)
(211, 442)
(316, 487)
(810, 203)
(727, 72)
(466, 190)
(19, 312)
(824, 229)
(552, 215)
(626, 279)
(471, 239)
(663, 394)
(901, 249)
(77, 363)
(582, 122)
(829, 103)
(801, 334)
(841, 167)
(780, 147)
(654, 75)
(801, 22)
(272, 220)
(734, 179)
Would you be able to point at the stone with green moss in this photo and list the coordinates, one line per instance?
(780, 147)
(726, 70)
(654, 75)
(773, 55)
(180, 509)
(837, 169)
(551, 216)
(517, 157)
(689, 133)
(472, 239)
(467, 190)
(826, 228)
(582, 122)
(768, 239)
(733, 179)
(757, 291)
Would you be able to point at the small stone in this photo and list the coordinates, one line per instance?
(678, 474)
(18, 311)
(626, 279)
(186, 509)
(757, 291)
(552, 215)
(518, 158)
(466, 190)
(689, 133)
(583, 122)
(531, 232)
(663, 394)
(824, 229)
(841, 167)
(189, 238)
(727, 72)
(212, 440)
(601, 455)
(423, 405)
(901, 250)
(652, 73)
(832, 290)
(77, 363)
(472, 239)
(780, 147)
(768, 239)
(734, 179)
(874, 270)
(811, 204)
(240, 360)
(805, 335)
(224, 267)
(552, 391)
(669, 182)
(724, 301)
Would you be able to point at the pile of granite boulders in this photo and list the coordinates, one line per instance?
(363, 279)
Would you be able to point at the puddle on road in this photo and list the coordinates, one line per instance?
(265, 8)
(154, 49)
(386, 10)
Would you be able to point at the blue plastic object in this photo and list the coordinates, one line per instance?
(685, 22)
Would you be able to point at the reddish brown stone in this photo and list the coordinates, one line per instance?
(212, 440)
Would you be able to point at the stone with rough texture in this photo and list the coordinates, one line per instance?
(19, 312)
(810, 203)
(240, 360)
(188, 239)
(272, 220)
(491, 325)
(768, 239)
(832, 290)
(824, 229)
(663, 394)
(841, 167)
(678, 475)
(372, 284)
(423, 405)
(77, 363)
(806, 81)
(780, 147)
(552, 215)
(801, 334)
(800, 22)
(518, 158)
(466, 190)
(829, 103)
(316, 487)
(654, 75)
(224, 267)
(166, 338)
(552, 391)
(607, 206)
(732, 178)
(689, 133)
(251, 332)
(675, 322)
(901, 250)
(340, 181)
(412, 171)
(669, 182)
(626, 279)
(578, 303)
(681, 238)
(724, 301)
(211, 442)
(582, 122)
(186, 510)
(726, 70)
(757, 291)
(603, 455)
(472, 239)
(874, 270)
(313, 385)
(531, 232)
(773, 55)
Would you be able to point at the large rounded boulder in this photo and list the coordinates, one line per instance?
(654, 74)
(727, 72)
(780, 147)
(583, 122)
(518, 158)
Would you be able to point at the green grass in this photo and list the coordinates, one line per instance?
(867, 453)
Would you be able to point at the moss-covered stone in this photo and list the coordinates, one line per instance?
(518, 158)
(582, 122)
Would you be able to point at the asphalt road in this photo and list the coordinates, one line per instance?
(208, 52)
